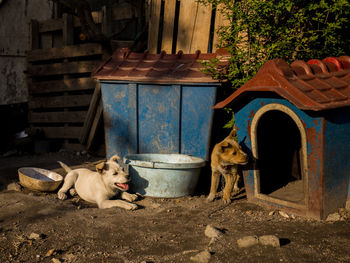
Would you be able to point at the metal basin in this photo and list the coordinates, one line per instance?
(163, 175)
(39, 179)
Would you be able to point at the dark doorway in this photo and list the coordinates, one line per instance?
(279, 157)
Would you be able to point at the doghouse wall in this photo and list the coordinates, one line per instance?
(337, 151)
(244, 114)
(164, 118)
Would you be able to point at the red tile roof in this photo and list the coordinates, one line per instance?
(158, 68)
(313, 85)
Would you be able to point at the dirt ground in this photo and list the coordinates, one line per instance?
(37, 227)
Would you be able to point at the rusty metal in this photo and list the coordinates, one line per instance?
(314, 85)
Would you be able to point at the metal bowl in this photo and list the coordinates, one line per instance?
(39, 179)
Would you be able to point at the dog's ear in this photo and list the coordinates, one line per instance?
(100, 167)
(114, 157)
(223, 145)
(233, 132)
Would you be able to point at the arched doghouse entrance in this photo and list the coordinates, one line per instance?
(279, 146)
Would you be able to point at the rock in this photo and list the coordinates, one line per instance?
(269, 240)
(14, 187)
(202, 257)
(35, 236)
(247, 241)
(272, 213)
(69, 257)
(50, 252)
(212, 232)
(333, 217)
(284, 214)
(55, 260)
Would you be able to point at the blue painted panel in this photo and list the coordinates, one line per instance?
(119, 113)
(159, 118)
(147, 118)
(337, 152)
(196, 119)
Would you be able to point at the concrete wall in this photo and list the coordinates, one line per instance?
(15, 16)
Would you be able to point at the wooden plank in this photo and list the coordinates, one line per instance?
(61, 132)
(95, 124)
(61, 85)
(106, 25)
(187, 17)
(220, 20)
(34, 34)
(65, 52)
(50, 25)
(96, 97)
(168, 25)
(200, 38)
(60, 101)
(121, 13)
(63, 68)
(57, 117)
(154, 26)
(68, 29)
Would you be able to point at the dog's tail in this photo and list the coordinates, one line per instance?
(65, 167)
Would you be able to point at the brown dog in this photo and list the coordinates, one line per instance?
(225, 158)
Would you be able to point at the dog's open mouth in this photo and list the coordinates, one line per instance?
(123, 186)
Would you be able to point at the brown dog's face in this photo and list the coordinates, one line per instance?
(230, 152)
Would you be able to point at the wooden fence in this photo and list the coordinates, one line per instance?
(183, 25)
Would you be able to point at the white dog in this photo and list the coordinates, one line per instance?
(98, 187)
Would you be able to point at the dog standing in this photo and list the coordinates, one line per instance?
(225, 158)
(98, 187)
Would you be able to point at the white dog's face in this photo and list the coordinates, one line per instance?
(113, 175)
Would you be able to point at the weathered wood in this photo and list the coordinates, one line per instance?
(50, 25)
(187, 17)
(96, 97)
(73, 146)
(63, 68)
(153, 30)
(57, 117)
(201, 30)
(34, 33)
(60, 101)
(220, 20)
(168, 25)
(61, 132)
(194, 27)
(68, 29)
(106, 23)
(95, 124)
(61, 85)
(65, 52)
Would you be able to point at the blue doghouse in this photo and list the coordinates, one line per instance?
(294, 120)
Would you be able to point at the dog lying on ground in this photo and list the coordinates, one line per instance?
(98, 187)
(225, 158)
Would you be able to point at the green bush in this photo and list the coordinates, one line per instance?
(261, 30)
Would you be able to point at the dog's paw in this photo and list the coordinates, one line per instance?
(72, 192)
(61, 196)
(226, 200)
(129, 197)
(210, 197)
(132, 197)
(131, 207)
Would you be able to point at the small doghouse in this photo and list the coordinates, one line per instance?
(294, 120)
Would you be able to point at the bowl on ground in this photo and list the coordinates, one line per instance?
(39, 179)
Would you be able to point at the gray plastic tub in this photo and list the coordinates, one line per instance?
(163, 175)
